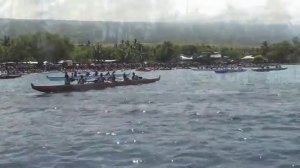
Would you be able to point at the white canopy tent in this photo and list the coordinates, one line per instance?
(184, 58)
(248, 57)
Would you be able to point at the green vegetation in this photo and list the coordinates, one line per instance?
(42, 47)
(258, 59)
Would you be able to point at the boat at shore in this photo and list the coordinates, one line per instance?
(269, 69)
(230, 70)
(9, 76)
(203, 69)
(62, 78)
(183, 68)
(165, 69)
(90, 86)
(143, 69)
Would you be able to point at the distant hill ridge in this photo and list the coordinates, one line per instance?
(110, 32)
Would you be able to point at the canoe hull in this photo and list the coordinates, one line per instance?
(90, 86)
(144, 70)
(10, 76)
(165, 69)
(268, 70)
(230, 71)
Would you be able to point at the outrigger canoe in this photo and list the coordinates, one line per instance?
(90, 86)
(62, 78)
(183, 68)
(144, 69)
(268, 69)
(166, 69)
(9, 76)
(204, 69)
(230, 70)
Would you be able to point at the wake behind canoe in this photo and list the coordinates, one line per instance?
(90, 86)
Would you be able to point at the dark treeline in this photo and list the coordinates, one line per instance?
(49, 47)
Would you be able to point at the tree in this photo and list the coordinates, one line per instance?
(40, 47)
(280, 52)
(188, 49)
(82, 54)
(232, 53)
(98, 52)
(296, 41)
(264, 48)
(258, 59)
(165, 52)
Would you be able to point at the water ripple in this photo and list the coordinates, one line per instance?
(188, 119)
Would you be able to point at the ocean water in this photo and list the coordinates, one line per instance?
(188, 119)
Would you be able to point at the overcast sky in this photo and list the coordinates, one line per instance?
(247, 11)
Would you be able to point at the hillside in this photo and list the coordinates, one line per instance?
(110, 32)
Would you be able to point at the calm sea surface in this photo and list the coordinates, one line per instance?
(188, 119)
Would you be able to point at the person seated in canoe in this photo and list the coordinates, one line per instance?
(125, 77)
(66, 74)
(81, 80)
(113, 78)
(278, 66)
(75, 74)
(96, 73)
(100, 79)
(87, 74)
(67, 79)
(135, 77)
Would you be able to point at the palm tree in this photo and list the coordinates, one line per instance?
(264, 48)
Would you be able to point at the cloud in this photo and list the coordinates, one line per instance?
(120, 10)
(266, 11)
(276, 12)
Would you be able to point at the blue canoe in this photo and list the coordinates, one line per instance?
(268, 69)
(62, 78)
(230, 70)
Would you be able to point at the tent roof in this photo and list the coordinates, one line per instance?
(248, 57)
(186, 58)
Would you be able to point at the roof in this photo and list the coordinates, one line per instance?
(216, 56)
(248, 57)
(186, 58)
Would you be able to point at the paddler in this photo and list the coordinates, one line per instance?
(134, 77)
(113, 78)
(67, 79)
(81, 81)
(125, 77)
(75, 73)
(100, 79)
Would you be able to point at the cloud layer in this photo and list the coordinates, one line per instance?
(266, 11)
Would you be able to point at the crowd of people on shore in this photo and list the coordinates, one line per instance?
(152, 66)
(13, 69)
(104, 67)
